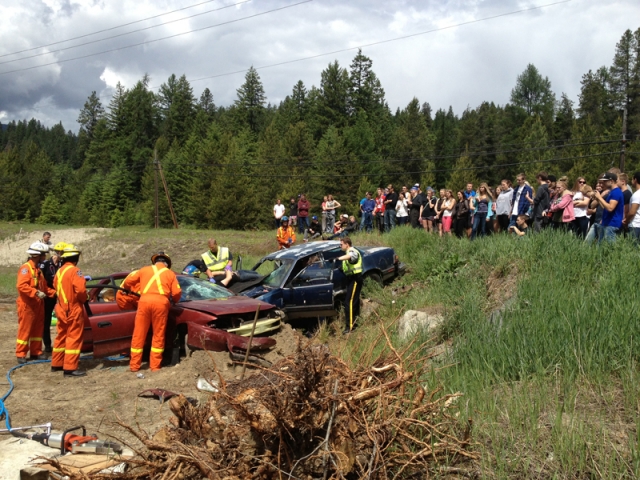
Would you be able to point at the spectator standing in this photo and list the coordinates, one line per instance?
(278, 212)
(595, 210)
(460, 215)
(390, 202)
(623, 178)
(504, 205)
(379, 211)
(439, 210)
(368, 208)
(401, 210)
(447, 212)
(303, 213)
(564, 205)
(494, 207)
(520, 202)
(415, 205)
(428, 210)
(580, 204)
(633, 214)
(613, 208)
(469, 191)
(324, 213)
(481, 210)
(293, 212)
(541, 201)
(331, 205)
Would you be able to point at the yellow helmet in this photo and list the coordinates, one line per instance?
(60, 246)
(70, 250)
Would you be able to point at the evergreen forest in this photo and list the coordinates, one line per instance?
(224, 166)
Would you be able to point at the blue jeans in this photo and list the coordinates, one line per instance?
(367, 221)
(635, 233)
(479, 223)
(512, 221)
(602, 233)
(389, 219)
(303, 223)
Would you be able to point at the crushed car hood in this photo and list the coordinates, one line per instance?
(227, 306)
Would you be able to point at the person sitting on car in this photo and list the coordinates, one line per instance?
(285, 234)
(218, 261)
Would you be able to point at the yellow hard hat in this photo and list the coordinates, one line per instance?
(70, 250)
(60, 246)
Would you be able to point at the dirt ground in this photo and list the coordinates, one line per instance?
(110, 390)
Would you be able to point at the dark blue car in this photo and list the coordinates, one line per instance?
(307, 280)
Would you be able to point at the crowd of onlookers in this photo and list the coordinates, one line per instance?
(598, 212)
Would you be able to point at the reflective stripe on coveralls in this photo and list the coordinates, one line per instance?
(30, 310)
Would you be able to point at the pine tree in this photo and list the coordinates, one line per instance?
(333, 101)
(462, 173)
(250, 101)
(595, 100)
(365, 90)
(206, 103)
(622, 71)
(533, 93)
(90, 114)
(177, 108)
(535, 156)
(564, 119)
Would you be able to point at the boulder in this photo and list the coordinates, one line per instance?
(414, 321)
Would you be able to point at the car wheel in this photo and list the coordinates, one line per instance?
(372, 277)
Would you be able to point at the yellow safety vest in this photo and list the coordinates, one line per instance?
(214, 263)
(352, 268)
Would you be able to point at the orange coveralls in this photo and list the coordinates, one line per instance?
(283, 235)
(128, 301)
(158, 285)
(71, 288)
(30, 309)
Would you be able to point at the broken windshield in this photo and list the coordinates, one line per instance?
(197, 289)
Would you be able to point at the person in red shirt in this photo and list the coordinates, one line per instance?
(159, 286)
(70, 285)
(303, 213)
(32, 290)
(380, 208)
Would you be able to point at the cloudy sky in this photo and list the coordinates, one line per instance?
(459, 66)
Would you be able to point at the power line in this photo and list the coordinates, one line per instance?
(107, 29)
(381, 41)
(158, 39)
(123, 34)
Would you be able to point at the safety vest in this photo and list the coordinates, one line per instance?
(352, 268)
(214, 263)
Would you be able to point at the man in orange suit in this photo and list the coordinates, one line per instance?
(127, 298)
(70, 286)
(32, 290)
(159, 286)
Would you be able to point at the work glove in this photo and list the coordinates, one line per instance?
(290, 240)
(88, 278)
(228, 268)
(212, 280)
(41, 295)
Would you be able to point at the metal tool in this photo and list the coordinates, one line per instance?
(19, 429)
(70, 442)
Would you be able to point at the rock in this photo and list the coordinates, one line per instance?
(413, 321)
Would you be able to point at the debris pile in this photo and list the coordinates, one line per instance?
(309, 416)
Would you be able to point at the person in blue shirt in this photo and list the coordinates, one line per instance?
(367, 207)
(612, 208)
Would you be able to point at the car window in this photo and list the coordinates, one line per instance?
(332, 254)
(276, 271)
(197, 289)
(313, 275)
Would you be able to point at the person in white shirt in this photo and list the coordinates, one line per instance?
(278, 212)
(633, 214)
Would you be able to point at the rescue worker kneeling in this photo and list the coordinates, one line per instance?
(352, 268)
(70, 286)
(32, 290)
(159, 285)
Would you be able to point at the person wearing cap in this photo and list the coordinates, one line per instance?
(613, 208)
(159, 287)
(70, 286)
(49, 269)
(285, 235)
(314, 230)
(128, 295)
(219, 263)
(32, 290)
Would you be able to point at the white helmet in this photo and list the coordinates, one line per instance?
(38, 248)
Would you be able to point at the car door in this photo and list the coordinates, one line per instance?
(339, 279)
(311, 292)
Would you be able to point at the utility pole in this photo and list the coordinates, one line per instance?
(624, 138)
(155, 181)
(166, 191)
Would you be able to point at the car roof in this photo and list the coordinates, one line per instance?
(304, 250)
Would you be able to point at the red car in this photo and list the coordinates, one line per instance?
(208, 316)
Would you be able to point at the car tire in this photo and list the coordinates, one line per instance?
(372, 277)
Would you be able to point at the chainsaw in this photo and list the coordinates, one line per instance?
(70, 442)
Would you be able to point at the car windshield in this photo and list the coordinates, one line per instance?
(276, 271)
(197, 289)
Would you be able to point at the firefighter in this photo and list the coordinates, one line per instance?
(49, 269)
(159, 286)
(32, 290)
(218, 261)
(70, 286)
(352, 268)
(285, 234)
(127, 298)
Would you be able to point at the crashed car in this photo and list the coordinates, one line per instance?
(307, 280)
(207, 317)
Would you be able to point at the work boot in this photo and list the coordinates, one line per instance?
(74, 373)
(22, 360)
(48, 350)
(34, 357)
(57, 369)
